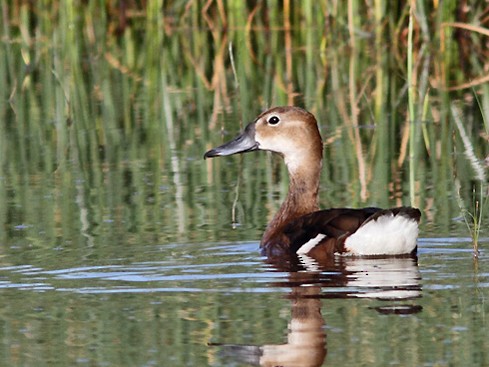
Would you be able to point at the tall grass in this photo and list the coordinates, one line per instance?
(116, 105)
(472, 216)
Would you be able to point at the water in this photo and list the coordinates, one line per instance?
(222, 304)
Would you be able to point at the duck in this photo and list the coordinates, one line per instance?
(300, 228)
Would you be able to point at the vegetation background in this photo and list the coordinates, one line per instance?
(88, 88)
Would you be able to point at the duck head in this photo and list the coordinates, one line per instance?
(289, 131)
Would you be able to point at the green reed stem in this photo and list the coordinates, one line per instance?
(411, 112)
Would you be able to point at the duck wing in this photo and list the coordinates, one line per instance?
(365, 232)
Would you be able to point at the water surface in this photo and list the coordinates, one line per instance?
(222, 304)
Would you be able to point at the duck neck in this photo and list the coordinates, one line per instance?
(302, 198)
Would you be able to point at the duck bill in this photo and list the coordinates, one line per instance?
(244, 142)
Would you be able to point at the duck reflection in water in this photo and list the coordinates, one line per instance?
(395, 280)
(306, 338)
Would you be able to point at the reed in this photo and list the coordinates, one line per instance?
(411, 109)
(95, 98)
(472, 217)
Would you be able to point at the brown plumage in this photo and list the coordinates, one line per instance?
(299, 227)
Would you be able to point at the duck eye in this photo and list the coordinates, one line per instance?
(274, 120)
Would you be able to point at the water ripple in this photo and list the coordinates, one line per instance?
(237, 267)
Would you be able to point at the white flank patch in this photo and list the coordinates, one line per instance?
(387, 235)
(309, 245)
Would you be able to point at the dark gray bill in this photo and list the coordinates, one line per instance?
(244, 142)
